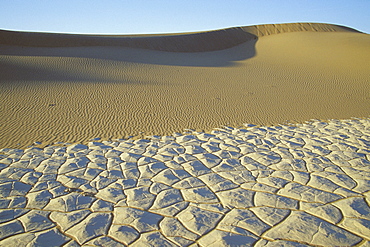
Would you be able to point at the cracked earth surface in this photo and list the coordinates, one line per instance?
(288, 185)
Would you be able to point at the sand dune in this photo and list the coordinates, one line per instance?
(183, 42)
(71, 88)
(250, 186)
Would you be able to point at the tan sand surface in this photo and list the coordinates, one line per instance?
(72, 88)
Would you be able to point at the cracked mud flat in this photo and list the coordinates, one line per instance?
(288, 185)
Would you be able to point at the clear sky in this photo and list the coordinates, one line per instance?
(168, 16)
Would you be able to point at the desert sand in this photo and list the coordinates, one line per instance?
(72, 88)
(70, 177)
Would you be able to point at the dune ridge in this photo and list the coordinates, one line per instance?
(270, 29)
(186, 42)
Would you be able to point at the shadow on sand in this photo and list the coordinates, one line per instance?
(219, 48)
(222, 48)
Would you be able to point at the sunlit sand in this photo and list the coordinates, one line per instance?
(73, 94)
(263, 162)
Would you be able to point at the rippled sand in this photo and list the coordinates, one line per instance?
(305, 184)
(74, 88)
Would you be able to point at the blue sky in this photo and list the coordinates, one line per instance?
(168, 16)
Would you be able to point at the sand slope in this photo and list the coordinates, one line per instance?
(71, 88)
(183, 42)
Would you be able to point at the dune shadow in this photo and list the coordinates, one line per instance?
(109, 56)
(17, 74)
(18, 50)
(22, 72)
(219, 58)
(217, 48)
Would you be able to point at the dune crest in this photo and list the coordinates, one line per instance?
(270, 29)
(183, 42)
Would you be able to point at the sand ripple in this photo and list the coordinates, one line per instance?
(70, 94)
